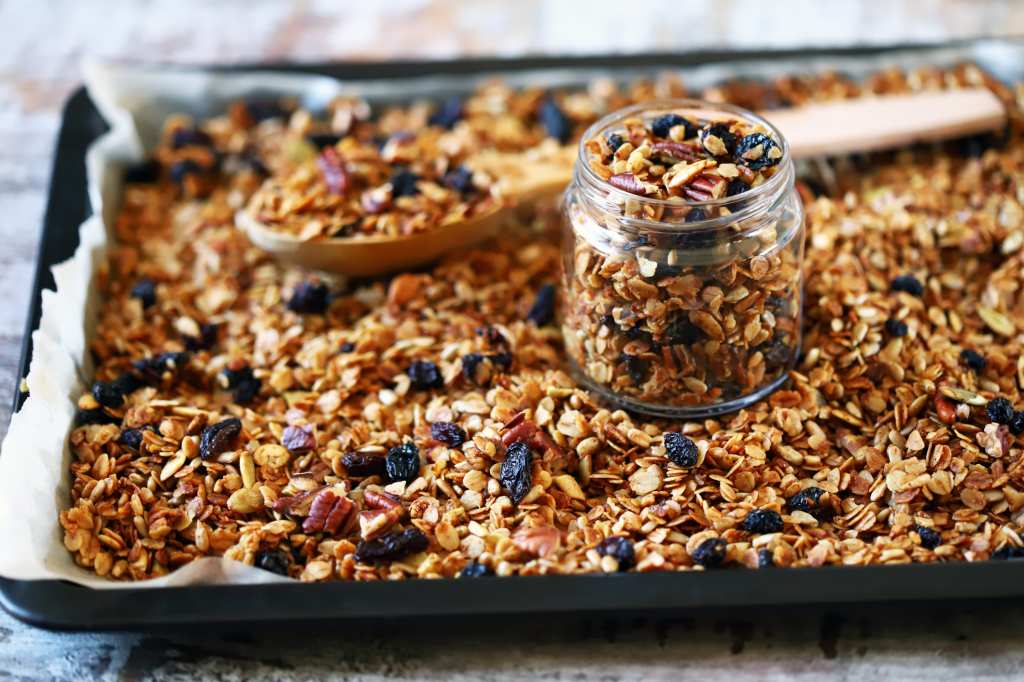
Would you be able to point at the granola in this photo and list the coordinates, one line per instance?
(881, 450)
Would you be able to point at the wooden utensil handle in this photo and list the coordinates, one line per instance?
(867, 124)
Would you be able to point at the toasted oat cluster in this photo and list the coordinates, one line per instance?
(671, 155)
(425, 426)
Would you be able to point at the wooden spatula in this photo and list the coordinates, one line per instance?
(822, 129)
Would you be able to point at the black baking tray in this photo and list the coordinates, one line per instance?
(62, 605)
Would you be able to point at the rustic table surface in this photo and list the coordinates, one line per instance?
(39, 59)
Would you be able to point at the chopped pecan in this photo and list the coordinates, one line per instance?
(327, 513)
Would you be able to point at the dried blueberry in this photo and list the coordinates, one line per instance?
(448, 114)
(680, 450)
(718, 140)
(403, 184)
(246, 391)
(710, 553)
(1007, 553)
(448, 433)
(132, 438)
(754, 151)
(153, 368)
(146, 172)
(681, 332)
(765, 558)
(502, 360)
(619, 547)
(190, 137)
(392, 546)
(309, 297)
(403, 462)
(234, 377)
(736, 186)
(425, 375)
(554, 120)
(112, 393)
(696, 215)
(219, 437)
(265, 108)
(206, 340)
(361, 464)
(94, 416)
(543, 309)
(182, 169)
(777, 352)
(663, 125)
(908, 284)
(145, 291)
(972, 359)
(615, 141)
(517, 470)
(636, 368)
(999, 410)
(470, 362)
(930, 538)
(475, 570)
(322, 140)
(273, 560)
(460, 180)
(1017, 423)
(896, 328)
(347, 347)
(762, 521)
(807, 500)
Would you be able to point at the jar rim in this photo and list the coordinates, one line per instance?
(777, 183)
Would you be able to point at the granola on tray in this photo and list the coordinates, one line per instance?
(425, 426)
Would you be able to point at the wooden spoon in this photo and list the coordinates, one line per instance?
(827, 128)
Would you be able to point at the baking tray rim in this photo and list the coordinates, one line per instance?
(62, 605)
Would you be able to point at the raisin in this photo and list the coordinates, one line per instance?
(908, 284)
(322, 140)
(930, 538)
(777, 353)
(543, 309)
(392, 546)
(554, 120)
(470, 361)
(460, 180)
(710, 553)
(145, 291)
(973, 359)
(143, 173)
(696, 215)
(219, 437)
(1017, 423)
(680, 450)
(403, 463)
(807, 500)
(112, 393)
(424, 375)
(403, 184)
(736, 186)
(895, 327)
(663, 125)
(762, 521)
(190, 137)
(448, 433)
(517, 470)
(206, 340)
(361, 464)
(95, 416)
(615, 141)
(636, 368)
(475, 570)
(1007, 553)
(309, 297)
(681, 332)
(619, 547)
(273, 560)
(153, 368)
(448, 114)
(753, 151)
(765, 558)
(999, 410)
(243, 384)
(718, 131)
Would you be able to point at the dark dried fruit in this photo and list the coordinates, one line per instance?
(754, 151)
(403, 462)
(554, 120)
(190, 137)
(332, 170)
(636, 368)
(807, 500)
(681, 332)
(1017, 423)
(145, 291)
(663, 125)
(448, 114)
(219, 437)
(696, 215)
(182, 169)
(392, 546)
(112, 393)
(615, 141)
(206, 340)
(273, 560)
(265, 108)
(323, 140)
(298, 440)
(930, 538)
(403, 184)
(777, 353)
(680, 450)
(475, 570)
(448, 433)
(360, 464)
(1007, 553)
(710, 553)
(619, 547)
(460, 180)
(517, 470)
(425, 375)
(627, 182)
(243, 384)
(765, 558)
(762, 521)
(543, 309)
(146, 172)
(347, 347)
(153, 369)
(999, 410)
(718, 131)
(736, 186)
(972, 359)
(908, 284)
(132, 438)
(895, 327)
(95, 416)
(309, 297)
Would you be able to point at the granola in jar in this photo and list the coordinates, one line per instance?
(683, 249)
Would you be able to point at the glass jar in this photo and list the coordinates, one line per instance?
(686, 306)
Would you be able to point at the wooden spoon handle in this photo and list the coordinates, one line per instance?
(868, 124)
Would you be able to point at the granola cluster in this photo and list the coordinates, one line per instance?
(426, 427)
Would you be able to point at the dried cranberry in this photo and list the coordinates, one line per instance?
(403, 462)
(219, 437)
(448, 433)
(361, 464)
(517, 470)
(392, 546)
(619, 547)
(298, 440)
(543, 309)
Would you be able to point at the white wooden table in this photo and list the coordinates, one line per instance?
(43, 43)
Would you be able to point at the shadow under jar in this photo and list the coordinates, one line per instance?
(683, 248)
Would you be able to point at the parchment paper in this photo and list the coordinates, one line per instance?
(34, 471)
